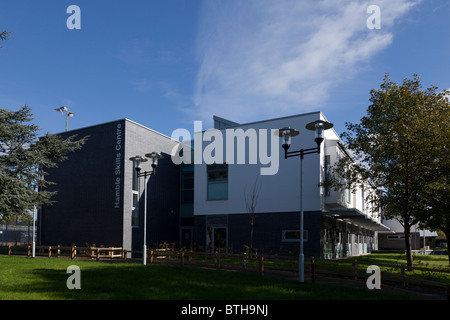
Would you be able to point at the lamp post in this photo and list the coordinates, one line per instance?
(137, 160)
(68, 113)
(286, 134)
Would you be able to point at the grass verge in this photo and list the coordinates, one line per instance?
(24, 278)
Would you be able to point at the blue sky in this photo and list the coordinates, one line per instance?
(167, 63)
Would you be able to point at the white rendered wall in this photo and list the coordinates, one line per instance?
(279, 192)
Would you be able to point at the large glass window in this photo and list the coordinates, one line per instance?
(187, 185)
(363, 196)
(348, 195)
(135, 200)
(217, 182)
(327, 174)
(135, 210)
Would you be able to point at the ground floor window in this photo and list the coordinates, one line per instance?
(216, 239)
(293, 235)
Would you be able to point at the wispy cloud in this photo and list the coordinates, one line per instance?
(264, 58)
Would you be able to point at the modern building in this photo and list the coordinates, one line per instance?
(336, 224)
(98, 197)
(395, 238)
(205, 202)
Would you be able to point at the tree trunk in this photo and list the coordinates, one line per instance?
(409, 258)
(446, 231)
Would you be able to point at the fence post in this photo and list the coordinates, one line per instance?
(49, 251)
(98, 254)
(9, 249)
(125, 255)
(182, 259)
(313, 270)
(72, 253)
(261, 266)
(151, 256)
(28, 251)
(218, 260)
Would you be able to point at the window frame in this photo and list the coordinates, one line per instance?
(219, 167)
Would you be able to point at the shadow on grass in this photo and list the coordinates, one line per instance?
(110, 281)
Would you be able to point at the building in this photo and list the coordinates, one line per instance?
(336, 224)
(395, 238)
(98, 195)
(200, 202)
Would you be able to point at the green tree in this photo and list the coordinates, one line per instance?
(398, 149)
(436, 215)
(24, 159)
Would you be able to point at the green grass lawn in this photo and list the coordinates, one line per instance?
(45, 279)
(436, 262)
(419, 260)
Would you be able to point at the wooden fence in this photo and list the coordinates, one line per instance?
(346, 270)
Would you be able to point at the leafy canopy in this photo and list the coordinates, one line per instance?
(24, 159)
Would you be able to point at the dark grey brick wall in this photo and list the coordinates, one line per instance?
(93, 204)
(84, 210)
(163, 209)
(267, 235)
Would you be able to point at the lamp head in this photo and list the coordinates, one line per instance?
(286, 133)
(62, 109)
(137, 162)
(319, 126)
(154, 156)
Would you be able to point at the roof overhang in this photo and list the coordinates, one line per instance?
(356, 217)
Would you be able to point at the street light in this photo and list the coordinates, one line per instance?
(286, 133)
(137, 160)
(68, 113)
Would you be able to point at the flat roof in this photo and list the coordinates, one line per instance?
(114, 121)
(355, 216)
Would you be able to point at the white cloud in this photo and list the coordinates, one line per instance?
(264, 58)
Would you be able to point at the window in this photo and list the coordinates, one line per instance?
(217, 181)
(187, 184)
(135, 200)
(293, 235)
(396, 237)
(327, 174)
(135, 212)
(348, 195)
(363, 196)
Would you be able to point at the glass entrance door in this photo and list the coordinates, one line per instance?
(217, 239)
